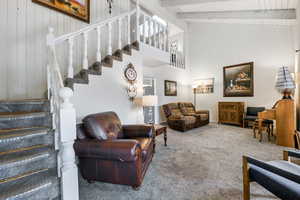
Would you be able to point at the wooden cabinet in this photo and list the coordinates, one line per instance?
(231, 112)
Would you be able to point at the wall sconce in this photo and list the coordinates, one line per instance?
(110, 2)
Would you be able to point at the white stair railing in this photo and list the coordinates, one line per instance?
(63, 112)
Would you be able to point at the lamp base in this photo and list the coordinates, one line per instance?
(287, 95)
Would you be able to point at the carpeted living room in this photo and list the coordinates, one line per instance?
(149, 100)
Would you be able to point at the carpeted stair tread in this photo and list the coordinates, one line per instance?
(19, 135)
(23, 120)
(23, 106)
(21, 153)
(28, 185)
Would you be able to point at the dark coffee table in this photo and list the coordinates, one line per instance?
(159, 129)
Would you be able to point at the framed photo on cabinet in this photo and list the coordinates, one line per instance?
(79, 9)
(238, 80)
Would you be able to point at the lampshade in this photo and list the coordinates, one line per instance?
(150, 100)
(284, 80)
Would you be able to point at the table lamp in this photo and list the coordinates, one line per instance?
(285, 82)
(151, 101)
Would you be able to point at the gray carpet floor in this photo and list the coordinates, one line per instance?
(201, 164)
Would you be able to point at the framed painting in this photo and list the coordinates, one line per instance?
(204, 86)
(79, 9)
(170, 88)
(238, 80)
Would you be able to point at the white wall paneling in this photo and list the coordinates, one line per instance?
(23, 30)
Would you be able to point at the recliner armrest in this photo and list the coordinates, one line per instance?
(119, 150)
(202, 112)
(134, 131)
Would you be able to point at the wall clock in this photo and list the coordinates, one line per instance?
(130, 73)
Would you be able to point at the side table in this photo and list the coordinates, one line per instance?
(159, 129)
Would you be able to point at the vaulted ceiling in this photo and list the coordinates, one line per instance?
(243, 11)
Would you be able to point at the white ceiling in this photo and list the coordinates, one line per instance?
(238, 5)
(233, 5)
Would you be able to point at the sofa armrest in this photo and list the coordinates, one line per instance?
(202, 112)
(118, 150)
(291, 153)
(134, 131)
(266, 166)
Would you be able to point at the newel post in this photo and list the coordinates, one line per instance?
(69, 172)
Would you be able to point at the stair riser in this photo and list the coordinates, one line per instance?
(26, 122)
(42, 161)
(25, 107)
(26, 141)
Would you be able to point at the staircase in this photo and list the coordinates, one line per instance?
(37, 159)
(28, 160)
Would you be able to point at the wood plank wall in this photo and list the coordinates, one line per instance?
(23, 53)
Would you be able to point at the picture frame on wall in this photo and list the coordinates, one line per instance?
(238, 80)
(170, 88)
(79, 9)
(204, 86)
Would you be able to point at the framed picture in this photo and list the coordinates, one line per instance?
(204, 86)
(170, 88)
(238, 80)
(79, 9)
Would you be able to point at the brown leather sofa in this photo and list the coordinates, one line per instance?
(111, 152)
(183, 116)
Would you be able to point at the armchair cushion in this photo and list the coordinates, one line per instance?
(103, 126)
(176, 117)
(118, 150)
(250, 117)
(135, 131)
(278, 185)
(187, 108)
(294, 153)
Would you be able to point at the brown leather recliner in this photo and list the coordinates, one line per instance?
(188, 109)
(111, 152)
(176, 120)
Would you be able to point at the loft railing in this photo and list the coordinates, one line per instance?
(177, 59)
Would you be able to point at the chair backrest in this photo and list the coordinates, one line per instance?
(187, 108)
(171, 109)
(102, 126)
(253, 111)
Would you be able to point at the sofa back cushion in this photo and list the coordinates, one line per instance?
(103, 126)
(253, 111)
(187, 108)
(172, 109)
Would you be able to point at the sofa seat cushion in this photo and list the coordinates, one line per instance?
(189, 120)
(278, 185)
(145, 146)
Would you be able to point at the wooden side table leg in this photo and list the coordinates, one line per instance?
(260, 129)
(165, 138)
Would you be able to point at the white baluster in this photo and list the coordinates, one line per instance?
(166, 39)
(109, 39)
(70, 67)
(149, 31)
(159, 36)
(128, 30)
(69, 171)
(138, 35)
(161, 33)
(99, 56)
(120, 33)
(144, 29)
(85, 63)
(155, 28)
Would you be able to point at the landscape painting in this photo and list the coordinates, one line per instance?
(170, 88)
(79, 9)
(238, 80)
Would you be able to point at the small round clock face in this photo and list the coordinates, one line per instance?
(131, 74)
